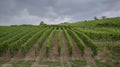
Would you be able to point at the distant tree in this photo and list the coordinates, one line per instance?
(14, 25)
(66, 22)
(26, 25)
(96, 18)
(84, 21)
(42, 23)
(103, 17)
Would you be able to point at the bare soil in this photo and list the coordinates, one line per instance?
(53, 54)
(6, 55)
(65, 58)
(7, 65)
(17, 56)
(41, 54)
(77, 55)
(31, 54)
(88, 57)
(103, 57)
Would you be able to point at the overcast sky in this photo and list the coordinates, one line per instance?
(55, 11)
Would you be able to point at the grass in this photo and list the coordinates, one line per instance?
(115, 54)
(22, 63)
(101, 64)
(105, 32)
(2, 62)
(50, 63)
(78, 63)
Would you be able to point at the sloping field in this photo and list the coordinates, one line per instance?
(59, 46)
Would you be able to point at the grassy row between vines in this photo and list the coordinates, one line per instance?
(78, 41)
(5, 44)
(15, 46)
(25, 47)
(69, 42)
(59, 41)
(43, 38)
(89, 42)
(49, 42)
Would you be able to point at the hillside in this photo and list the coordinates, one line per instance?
(93, 43)
(107, 22)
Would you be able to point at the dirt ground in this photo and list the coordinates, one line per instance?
(32, 53)
(88, 57)
(76, 52)
(53, 54)
(65, 60)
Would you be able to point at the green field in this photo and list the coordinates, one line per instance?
(92, 43)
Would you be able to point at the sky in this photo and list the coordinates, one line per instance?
(15, 12)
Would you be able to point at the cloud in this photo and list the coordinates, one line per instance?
(25, 18)
(111, 13)
(55, 11)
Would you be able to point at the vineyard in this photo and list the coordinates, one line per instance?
(93, 43)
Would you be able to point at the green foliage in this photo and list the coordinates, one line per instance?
(107, 22)
(4, 45)
(104, 34)
(78, 40)
(9, 35)
(51, 63)
(49, 42)
(115, 54)
(101, 64)
(15, 46)
(88, 42)
(69, 42)
(3, 34)
(42, 38)
(78, 63)
(59, 40)
(22, 63)
(25, 47)
(14, 38)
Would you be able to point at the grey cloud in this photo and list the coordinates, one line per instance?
(55, 11)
